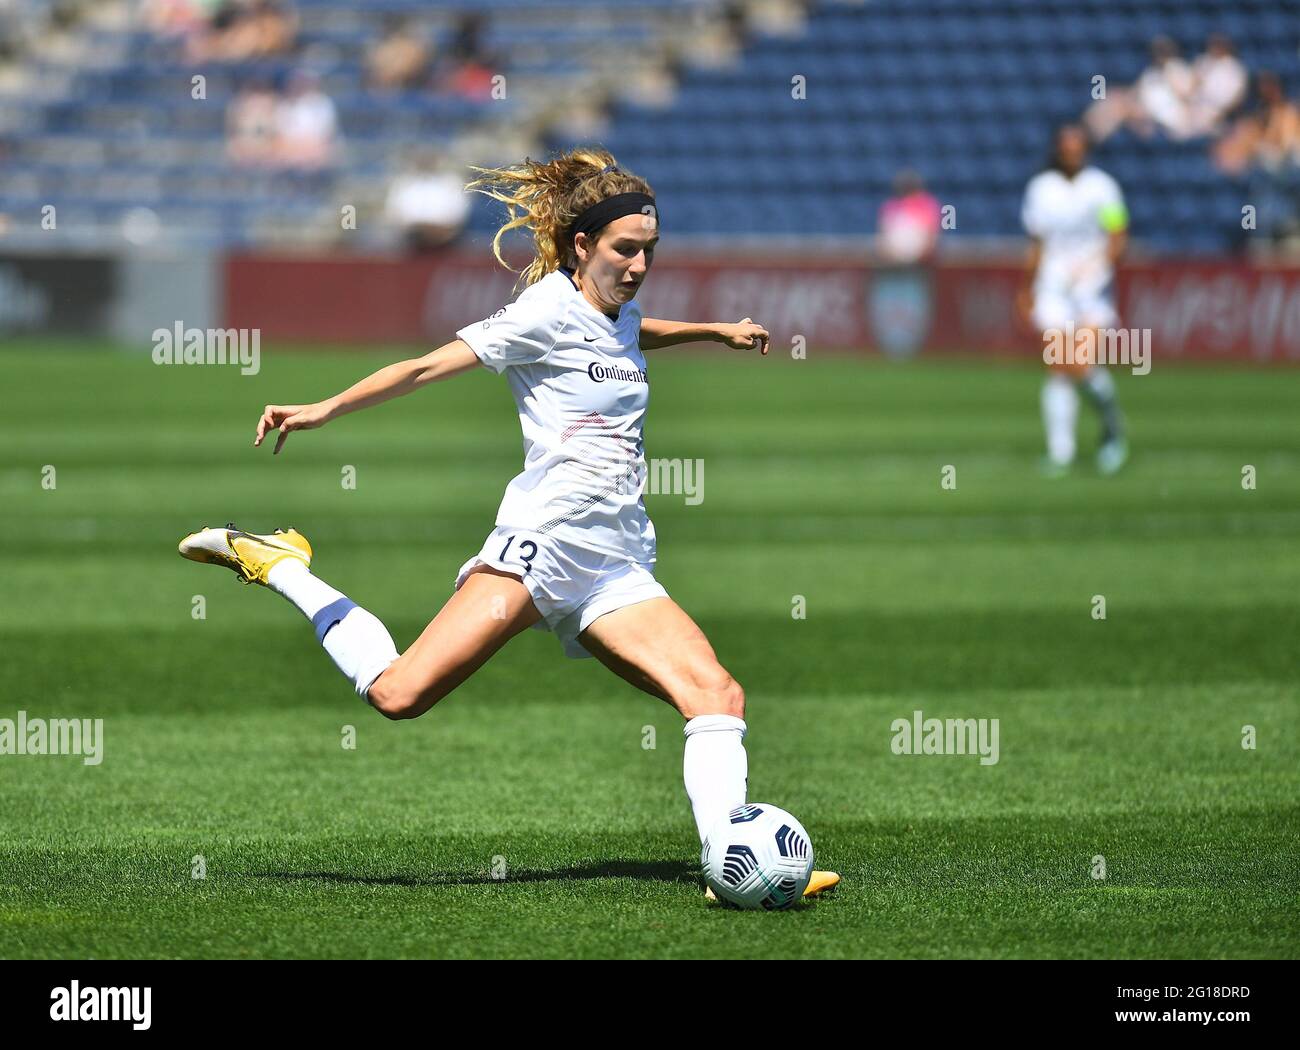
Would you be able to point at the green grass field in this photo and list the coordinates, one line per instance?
(222, 736)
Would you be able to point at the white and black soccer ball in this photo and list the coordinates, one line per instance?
(758, 856)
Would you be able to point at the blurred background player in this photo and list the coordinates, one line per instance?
(1078, 223)
(908, 222)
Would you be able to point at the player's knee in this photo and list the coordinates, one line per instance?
(388, 698)
(734, 697)
(721, 696)
(394, 698)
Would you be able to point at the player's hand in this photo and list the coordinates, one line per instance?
(1025, 306)
(287, 418)
(744, 335)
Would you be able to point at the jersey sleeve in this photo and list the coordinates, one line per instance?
(519, 334)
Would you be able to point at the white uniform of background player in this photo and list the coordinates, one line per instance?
(1074, 278)
(1077, 218)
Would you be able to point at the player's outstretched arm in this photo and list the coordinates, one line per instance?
(393, 381)
(1116, 245)
(744, 335)
(1025, 294)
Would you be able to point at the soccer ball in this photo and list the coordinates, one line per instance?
(758, 856)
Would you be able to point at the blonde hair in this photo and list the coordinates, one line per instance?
(547, 196)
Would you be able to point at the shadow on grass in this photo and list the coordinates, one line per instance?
(650, 871)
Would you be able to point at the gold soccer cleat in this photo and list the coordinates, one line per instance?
(247, 553)
(818, 882)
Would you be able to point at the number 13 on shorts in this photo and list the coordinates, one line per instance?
(524, 551)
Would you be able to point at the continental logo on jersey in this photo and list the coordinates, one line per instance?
(599, 373)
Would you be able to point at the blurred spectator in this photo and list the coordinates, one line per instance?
(170, 19)
(11, 29)
(1164, 91)
(467, 41)
(908, 222)
(428, 204)
(273, 28)
(306, 125)
(1161, 98)
(1220, 82)
(251, 126)
(206, 41)
(297, 129)
(239, 30)
(1268, 137)
(468, 66)
(400, 59)
(24, 24)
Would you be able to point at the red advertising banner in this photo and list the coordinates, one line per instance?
(1215, 311)
(425, 300)
(1199, 311)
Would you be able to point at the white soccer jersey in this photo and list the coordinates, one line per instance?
(1068, 216)
(579, 380)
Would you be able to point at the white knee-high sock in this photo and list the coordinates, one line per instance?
(715, 767)
(355, 639)
(1060, 404)
(1099, 388)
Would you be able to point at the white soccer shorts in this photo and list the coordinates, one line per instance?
(1057, 310)
(570, 585)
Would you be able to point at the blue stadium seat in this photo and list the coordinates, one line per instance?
(965, 91)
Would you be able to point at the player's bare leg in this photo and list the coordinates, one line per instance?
(1098, 388)
(1059, 402)
(489, 609)
(355, 639)
(1060, 406)
(658, 648)
(1082, 374)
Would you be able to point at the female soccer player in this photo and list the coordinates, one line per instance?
(573, 551)
(1076, 217)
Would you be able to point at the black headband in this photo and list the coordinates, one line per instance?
(604, 212)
